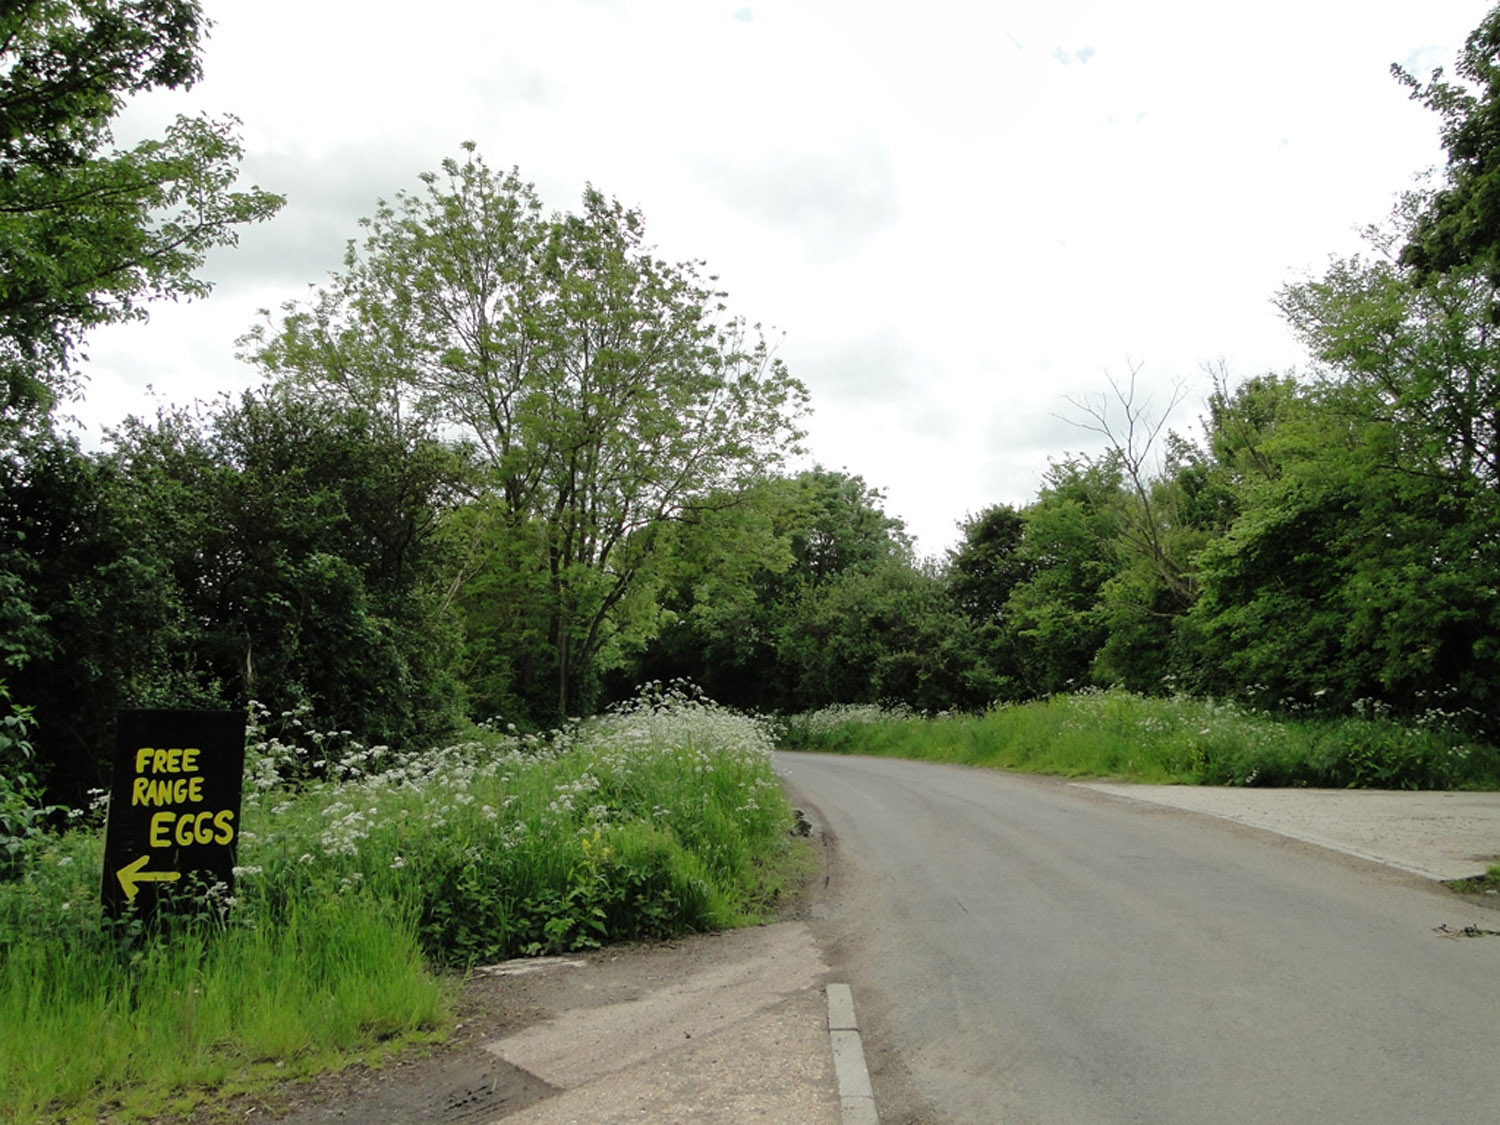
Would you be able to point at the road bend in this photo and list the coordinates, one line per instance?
(1025, 950)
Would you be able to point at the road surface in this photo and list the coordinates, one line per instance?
(1024, 950)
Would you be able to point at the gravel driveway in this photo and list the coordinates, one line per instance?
(1445, 835)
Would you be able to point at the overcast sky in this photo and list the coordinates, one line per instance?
(959, 214)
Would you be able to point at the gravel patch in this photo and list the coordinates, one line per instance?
(1438, 835)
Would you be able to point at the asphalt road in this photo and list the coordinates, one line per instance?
(1024, 950)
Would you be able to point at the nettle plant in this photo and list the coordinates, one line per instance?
(24, 816)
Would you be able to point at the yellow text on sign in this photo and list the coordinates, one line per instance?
(185, 829)
(150, 791)
(151, 760)
(170, 776)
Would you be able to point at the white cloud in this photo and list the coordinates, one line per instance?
(832, 200)
(953, 229)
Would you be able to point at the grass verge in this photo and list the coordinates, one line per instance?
(1179, 740)
(1486, 884)
(361, 874)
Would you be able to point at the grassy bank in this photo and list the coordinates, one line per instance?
(1178, 740)
(359, 876)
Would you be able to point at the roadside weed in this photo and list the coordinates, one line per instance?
(1179, 739)
(361, 870)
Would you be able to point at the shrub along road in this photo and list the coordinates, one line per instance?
(1028, 950)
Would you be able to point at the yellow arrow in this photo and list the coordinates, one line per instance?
(131, 874)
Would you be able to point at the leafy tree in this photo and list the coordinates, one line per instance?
(1146, 524)
(724, 584)
(1151, 645)
(1070, 548)
(1251, 432)
(886, 633)
(1346, 580)
(802, 591)
(98, 620)
(987, 564)
(270, 549)
(1459, 223)
(1242, 431)
(1423, 624)
(1360, 565)
(734, 569)
(88, 233)
(1414, 363)
(1173, 499)
(981, 574)
(314, 568)
(603, 388)
(843, 526)
(1359, 560)
(853, 618)
(500, 589)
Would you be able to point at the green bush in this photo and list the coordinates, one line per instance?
(657, 818)
(1180, 739)
(357, 871)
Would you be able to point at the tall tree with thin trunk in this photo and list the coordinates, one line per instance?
(606, 389)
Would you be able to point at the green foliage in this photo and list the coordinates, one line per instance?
(988, 564)
(323, 575)
(1151, 644)
(1145, 637)
(1359, 563)
(1358, 571)
(1459, 224)
(1176, 740)
(88, 234)
(1412, 365)
(1270, 615)
(604, 390)
(981, 574)
(23, 815)
(507, 661)
(887, 633)
(359, 866)
(841, 526)
(93, 597)
(1326, 542)
(270, 549)
(1069, 549)
(721, 597)
(801, 591)
(657, 818)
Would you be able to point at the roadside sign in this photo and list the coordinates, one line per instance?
(174, 807)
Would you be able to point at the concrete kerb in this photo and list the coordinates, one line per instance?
(856, 1095)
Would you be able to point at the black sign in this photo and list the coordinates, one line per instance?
(174, 808)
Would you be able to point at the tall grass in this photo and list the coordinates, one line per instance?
(98, 1017)
(1177, 740)
(655, 819)
(360, 872)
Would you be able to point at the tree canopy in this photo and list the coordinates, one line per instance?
(607, 391)
(90, 233)
(1459, 222)
(513, 463)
